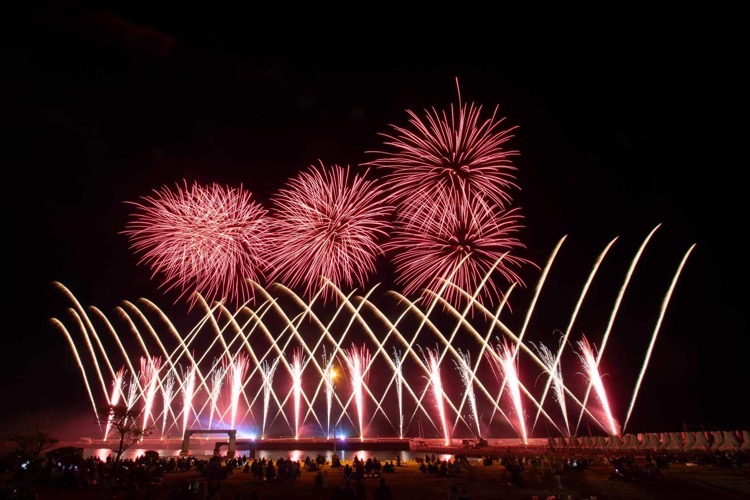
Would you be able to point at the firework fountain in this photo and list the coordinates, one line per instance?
(396, 390)
(436, 382)
(442, 212)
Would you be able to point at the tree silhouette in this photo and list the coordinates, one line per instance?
(124, 421)
(31, 443)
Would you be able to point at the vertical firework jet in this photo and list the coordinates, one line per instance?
(504, 364)
(217, 380)
(167, 389)
(133, 390)
(268, 370)
(432, 360)
(590, 366)
(330, 378)
(237, 371)
(357, 360)
(398, 363)
(114, 399)
(206, 239)
(467, 377)
(149, 380)
(297, 363)
(187, 395)
(327, 224)
(555, 370)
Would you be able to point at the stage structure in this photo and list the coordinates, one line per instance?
(232, 433)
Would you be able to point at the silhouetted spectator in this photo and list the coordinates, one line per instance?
(383, 491)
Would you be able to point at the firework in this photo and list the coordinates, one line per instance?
(205, 239)
(456, 154)
(358, 360)
(149, 379)
(187, 396)
(555, 371)
(268, 370)
(327, 224)
(427, 252)
(398, 364)
(167, 389)
(237, 371)
(467, 377)
(432, 360)
(504, 365)
(116, 394)
(297, 362)
(591, 368)
(217, 380)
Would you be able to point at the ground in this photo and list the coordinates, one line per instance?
(483, 482)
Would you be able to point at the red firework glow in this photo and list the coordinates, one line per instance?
(210, 240)
(450, 180)
(327, 225)
(431, 250)
(451, 155)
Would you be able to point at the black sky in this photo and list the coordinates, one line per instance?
(626, 120)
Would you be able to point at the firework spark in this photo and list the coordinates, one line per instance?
(467, 377)
(114, 399)
(555, 369)
(432, 360)
(237, 371)
(461, 246)
(330, 381)
(504, 365)
(268, 369)
(454, 155)
(149, 379)
(358, 359)
(210, 240)
(298, 361)
(217, 380)
(187, 396)
(167, 389)
(591, 367)
(327, 224)
(133, 390)
(398, 367)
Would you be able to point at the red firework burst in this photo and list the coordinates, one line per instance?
(328, 224)
(461, 245)
(449, 154)
(206, 239)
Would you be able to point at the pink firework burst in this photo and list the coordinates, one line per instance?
(328, 224)
(202, 239)
(461, 245)
(452, 154)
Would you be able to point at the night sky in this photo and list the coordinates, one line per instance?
(624, 121)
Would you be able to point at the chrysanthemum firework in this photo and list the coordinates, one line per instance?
(461, 246)
(210, 240)
(450, 154)
(328, 224)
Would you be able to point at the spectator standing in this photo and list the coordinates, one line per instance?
(383, 491)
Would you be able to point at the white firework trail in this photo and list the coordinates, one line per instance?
(167, 389)
(187, 399)
(116, 394)
(555, 370)
(217, 379)
(268, 370)
(467, 376)
(397, 361)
